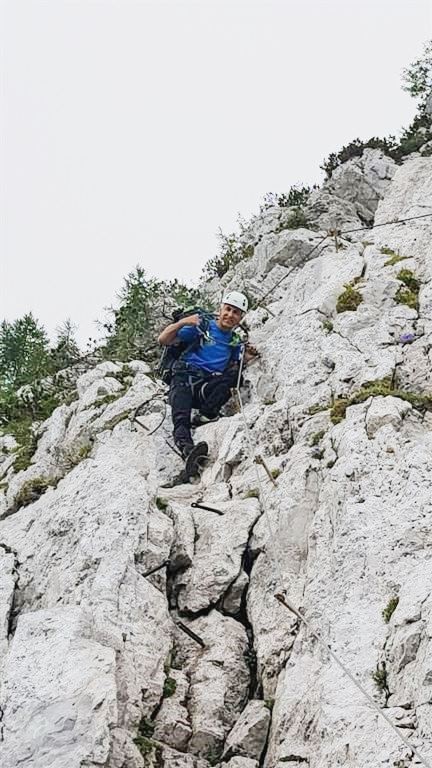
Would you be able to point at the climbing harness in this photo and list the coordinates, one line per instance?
(174, 352)
(281, 597)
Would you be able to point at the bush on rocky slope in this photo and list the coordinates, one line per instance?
(417, 82)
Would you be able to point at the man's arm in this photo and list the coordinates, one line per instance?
(169, 334)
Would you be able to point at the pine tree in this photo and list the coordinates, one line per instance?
(133, 326)
(417, 78)
(145, 307)
(66, 351)
(24, 352)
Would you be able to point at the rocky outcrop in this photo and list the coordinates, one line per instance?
(137, 630)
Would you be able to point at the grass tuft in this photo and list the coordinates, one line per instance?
(390, 609)
(383, 388)
(350, 299)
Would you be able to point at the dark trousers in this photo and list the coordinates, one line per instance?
(194, 388)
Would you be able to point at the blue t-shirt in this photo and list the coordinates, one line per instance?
(216, 352)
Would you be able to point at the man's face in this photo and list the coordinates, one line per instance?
(229, 317)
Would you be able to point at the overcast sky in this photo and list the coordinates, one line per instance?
(132, 130)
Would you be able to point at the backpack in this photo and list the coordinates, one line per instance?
(175, 351)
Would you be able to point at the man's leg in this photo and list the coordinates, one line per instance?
(181, 399)
(215, 392)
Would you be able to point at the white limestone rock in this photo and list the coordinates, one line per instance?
(81, 550)
(219, 546)
(346, 525)
(173, 726)
(8, 578)
(353, 192)
(249, 735)
(219, 679)
(232, 601)
(241, 762)
(96, 374)
(63, 718)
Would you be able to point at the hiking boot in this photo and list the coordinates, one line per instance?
(200, 419)
(186, 450)
(195, 459)
(181, 479)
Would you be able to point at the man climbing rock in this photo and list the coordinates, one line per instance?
(205, 373)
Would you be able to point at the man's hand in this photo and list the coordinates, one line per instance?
(170, 332)
(250, 353)
(189, 320)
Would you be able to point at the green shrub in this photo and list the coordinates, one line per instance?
(349, 299)
(161, 503)
(355, 149)
(327, 325)
(232, 250)
(111, 423)
(146, 727)
(408, 293)
(144, 306)
(416, 81)
(275, 473)
(123, 376)
(317, 437)
(73, 456)
(338, 411)
(31, 491)
(395, 259)
(169, 688)
(407, 277)
(253, 493)
(296, 220)
(269, 704)
(407, 297)
(318, 408)
(379, 676)
(295, 197)
(111, 397)
(269, 401)
(146, 747)
(390, 609)
(27, 440)
(381, 387)
(214, 755)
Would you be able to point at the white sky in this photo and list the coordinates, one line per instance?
(132, 130)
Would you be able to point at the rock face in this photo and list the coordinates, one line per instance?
(137, 630)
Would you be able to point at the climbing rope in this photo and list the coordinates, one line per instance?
(144, 408)
(276, 554)
(385, 224)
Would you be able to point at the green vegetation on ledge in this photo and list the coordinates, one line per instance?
(390, 609)
(383, 387)
(170, 687)
(379, 676)
(349, 300)
(409, 291)
(394, 257)
(31, 491)
(416, 81)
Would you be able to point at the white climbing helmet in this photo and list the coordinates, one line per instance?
(236, 299)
